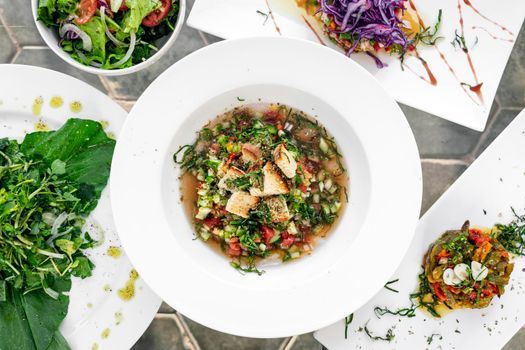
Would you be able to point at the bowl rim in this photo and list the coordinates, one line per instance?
(140, 156)
(42, 30)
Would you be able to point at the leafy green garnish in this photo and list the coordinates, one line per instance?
(48, 184)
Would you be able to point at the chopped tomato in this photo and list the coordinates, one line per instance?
(287, 240)
(303, 188)
(215, 147)
(234, 248)
(310, 165)
(272, 117)
(223, 211)
(154, 18)
(377, 47)
(317, 207)
(123, 7)
(439, 292)
(477, 237)
(212, 222)
(268, 234)
(473, 296)
(86, 10)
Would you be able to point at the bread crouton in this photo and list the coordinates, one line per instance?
(240, 203)
(278, 208)
(285, 161)
(250, 153)
(226, 181)
(273, 183)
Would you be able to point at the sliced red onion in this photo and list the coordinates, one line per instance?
(86, 40)
(108, 32)
(115, 5)
(128, 53)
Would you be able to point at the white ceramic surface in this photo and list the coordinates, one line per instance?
(51, 38)
(242, 18)
(290, 298)
(484, 194)
(84, 324)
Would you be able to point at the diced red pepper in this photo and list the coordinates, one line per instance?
(443, 254)
(287, 240)
(453, 289)
(477, 237)
(268, 233)
(212, 222)
(439, 292)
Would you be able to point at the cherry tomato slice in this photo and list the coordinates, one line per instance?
(86, 10)
(154, 18)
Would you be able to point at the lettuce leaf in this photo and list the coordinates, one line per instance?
(138, 9)
(97, 32)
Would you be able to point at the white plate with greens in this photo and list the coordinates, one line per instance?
(487, 31)
(200, 282)
(109, 309)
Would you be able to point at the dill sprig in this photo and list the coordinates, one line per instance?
(387, 285)
(348, 320)
(389, 336)
(512, 236)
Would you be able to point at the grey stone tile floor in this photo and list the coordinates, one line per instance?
(446, 150)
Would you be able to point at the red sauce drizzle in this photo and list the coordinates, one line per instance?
(444, 59)
(492, 35)
(270, 12)
(314, 31)
(469, 59)
(431, 78)
(419, 19)
(469, 4)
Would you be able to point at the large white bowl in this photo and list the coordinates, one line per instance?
(51, 38)
(347, 268)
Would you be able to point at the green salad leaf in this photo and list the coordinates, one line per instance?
(138, 9)
(97, 32)
(48, 185)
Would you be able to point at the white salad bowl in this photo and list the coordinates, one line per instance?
(348, 267)
(51, 38)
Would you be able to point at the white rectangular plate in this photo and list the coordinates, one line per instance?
(485, 193)
(490, 46)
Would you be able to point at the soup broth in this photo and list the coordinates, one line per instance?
(262, 180)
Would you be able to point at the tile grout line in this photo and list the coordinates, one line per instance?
(11, 36)
(189, 341)
(203, 37)
(441, 161)
(288, 343)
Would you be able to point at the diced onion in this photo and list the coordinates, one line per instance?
(108, 32)
(87, 45)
